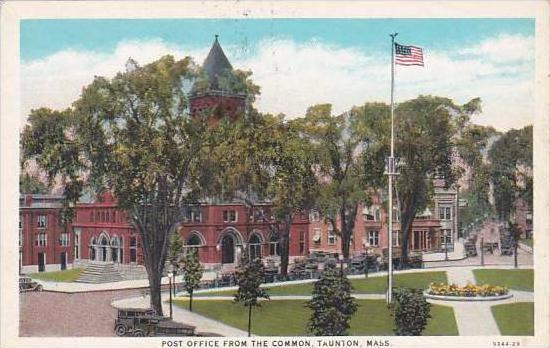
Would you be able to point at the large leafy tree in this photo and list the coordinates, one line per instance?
(348, 150)
(129, 134)
(472, 144)
(425, 130)
(263, 159)
(250, 275)
(31, 184)
(511, 165)
(332, 305)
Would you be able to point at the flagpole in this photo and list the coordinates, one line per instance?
(390, 172)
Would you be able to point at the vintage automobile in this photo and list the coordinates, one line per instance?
(27, 284)
(140, 322)
(136, 321)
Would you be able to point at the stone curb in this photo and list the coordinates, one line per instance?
(467, 298)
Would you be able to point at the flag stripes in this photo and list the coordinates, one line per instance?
(408, 55)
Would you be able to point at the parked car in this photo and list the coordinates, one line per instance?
(27, 284)
(140, 322)
(136, 322)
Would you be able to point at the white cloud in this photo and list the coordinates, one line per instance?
(294, 76)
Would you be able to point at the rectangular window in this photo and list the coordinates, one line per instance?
(194, 215)
(302, 242)
(20, 237)
(445, 213)
(229, 216)
(373, 238)
(396, 214)
(20, 222)
(42, 221)
(41, 239)
(64, 239)
(448, 233)
(317, 236)
(395, 240)
(331, 237)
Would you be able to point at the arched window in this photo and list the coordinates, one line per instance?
(194, 240)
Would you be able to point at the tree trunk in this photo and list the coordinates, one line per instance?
(154, 289)
(407, 215)
(284, 246)
(191, 300)
(249, 318)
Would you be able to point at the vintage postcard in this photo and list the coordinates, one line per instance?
(275, 174)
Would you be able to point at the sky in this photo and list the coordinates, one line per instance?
(298, 62)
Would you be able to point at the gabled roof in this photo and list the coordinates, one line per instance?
(216, 64)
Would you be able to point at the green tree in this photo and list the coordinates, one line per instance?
(129, 134)
(31, 184)
(192, 273)
(410, 311)
(250, 275)
(262, 159)
(175, 249)
(472, 143)
(425, 143)
(511, 165)
(332, 305)
(342, 145)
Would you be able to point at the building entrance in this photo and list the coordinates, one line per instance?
(228, 249)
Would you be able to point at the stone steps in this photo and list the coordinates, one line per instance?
(100, 272)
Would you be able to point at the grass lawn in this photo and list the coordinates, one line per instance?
(290, 317)
(372, 285)
(516, 279)
(515, 319)
(528, 242)
(68, 275)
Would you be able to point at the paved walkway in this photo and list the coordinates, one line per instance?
(202, 324)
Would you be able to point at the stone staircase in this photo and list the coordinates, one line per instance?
(131, 271)
(100, 272)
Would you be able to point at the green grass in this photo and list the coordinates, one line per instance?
(377, 285)
(290, 317)
(372, 285)
(528, 242)
(515, 319)
(515, 279)
(67, 276)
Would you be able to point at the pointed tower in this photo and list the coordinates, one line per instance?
(211, 96)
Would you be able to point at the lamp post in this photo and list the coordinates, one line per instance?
(170, 275)
(446, 245)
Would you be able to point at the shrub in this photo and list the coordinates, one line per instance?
(410, 311)
(469, 290)
(332, 305)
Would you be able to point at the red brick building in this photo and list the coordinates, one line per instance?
(220, 232)
(45, 244)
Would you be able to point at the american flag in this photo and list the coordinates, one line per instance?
(408, 55)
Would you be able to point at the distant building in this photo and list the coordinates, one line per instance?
(371, 227)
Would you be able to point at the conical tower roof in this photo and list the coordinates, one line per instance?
(216, 64)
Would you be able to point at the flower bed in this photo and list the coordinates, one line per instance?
(470, 290)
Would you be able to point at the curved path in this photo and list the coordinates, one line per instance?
(473, 318)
